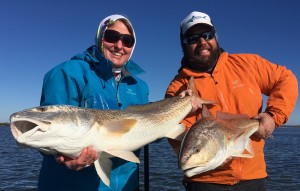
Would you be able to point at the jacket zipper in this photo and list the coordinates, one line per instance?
(212, 76)
(117, 96)
(239, 160)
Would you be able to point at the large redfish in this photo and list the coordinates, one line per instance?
(68, 129)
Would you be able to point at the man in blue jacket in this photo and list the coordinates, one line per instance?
(102, 77)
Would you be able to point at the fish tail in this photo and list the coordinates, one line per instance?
(192, 87)
(205, 112)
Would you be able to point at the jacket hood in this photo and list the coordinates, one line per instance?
(104, 24)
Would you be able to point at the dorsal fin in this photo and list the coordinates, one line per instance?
(149, 106)
(205, 112)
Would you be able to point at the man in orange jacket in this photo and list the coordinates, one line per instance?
(236, 82)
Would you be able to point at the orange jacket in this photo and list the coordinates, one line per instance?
(237, 84)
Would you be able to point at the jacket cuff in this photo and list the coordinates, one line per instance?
(273, 117)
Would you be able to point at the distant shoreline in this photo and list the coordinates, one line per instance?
(290, 126)
(4, 124)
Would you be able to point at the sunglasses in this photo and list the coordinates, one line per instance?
(113, 36)
(195, 38)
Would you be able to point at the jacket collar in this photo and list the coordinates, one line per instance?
(104, 66)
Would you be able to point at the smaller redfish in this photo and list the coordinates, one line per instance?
(210, 141)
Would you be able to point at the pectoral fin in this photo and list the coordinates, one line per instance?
(242, 155)
(248, 147)
(119, 127)
(177, 133)
(103, 167)
(126, 155)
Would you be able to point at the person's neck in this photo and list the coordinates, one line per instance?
(197, 64)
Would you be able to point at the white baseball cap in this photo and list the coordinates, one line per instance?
(194, 18)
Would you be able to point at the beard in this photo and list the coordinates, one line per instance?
(201, 64)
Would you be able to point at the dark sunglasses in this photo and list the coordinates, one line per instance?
(195, 38)
(113, 36)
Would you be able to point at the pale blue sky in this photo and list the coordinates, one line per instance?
(37, 35)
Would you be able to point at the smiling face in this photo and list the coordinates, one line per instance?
(203, 53)
(117, 52)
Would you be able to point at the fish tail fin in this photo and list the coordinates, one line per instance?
(191, 86)
(203, 102)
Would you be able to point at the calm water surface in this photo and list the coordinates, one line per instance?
(19, 167)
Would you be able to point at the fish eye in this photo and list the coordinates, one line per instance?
(195, 150)
(42, 109)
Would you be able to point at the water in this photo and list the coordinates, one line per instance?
(19, 167)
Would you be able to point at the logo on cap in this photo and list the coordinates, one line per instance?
(194, 18)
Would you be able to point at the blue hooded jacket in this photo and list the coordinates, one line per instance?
(87, 81)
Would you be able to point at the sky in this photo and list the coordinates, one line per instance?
(38, 35)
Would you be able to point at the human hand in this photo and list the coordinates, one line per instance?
(188, 92)
(87, 157)
(266, 125)
(196, 103)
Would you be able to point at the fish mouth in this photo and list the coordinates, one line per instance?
(189, 171)
(186, 167)
(23, 127)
